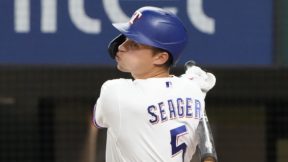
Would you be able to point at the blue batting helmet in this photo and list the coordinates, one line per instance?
(154, 27)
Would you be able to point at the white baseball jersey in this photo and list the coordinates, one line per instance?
(150, 120)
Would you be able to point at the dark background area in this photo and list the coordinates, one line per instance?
(46, 113)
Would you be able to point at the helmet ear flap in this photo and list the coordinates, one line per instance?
(114, 44)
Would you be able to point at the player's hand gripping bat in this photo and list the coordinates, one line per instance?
(206, 82)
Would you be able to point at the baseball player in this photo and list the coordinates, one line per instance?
(153, 117)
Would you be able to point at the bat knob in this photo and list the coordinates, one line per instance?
(189, 64)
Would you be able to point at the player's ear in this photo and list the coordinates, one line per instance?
(161, 58)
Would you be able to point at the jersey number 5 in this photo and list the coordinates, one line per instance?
(175, 134)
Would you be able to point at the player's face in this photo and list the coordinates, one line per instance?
(136, 58)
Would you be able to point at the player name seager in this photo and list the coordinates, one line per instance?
(173, 109)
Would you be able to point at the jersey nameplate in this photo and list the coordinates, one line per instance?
(174, 109)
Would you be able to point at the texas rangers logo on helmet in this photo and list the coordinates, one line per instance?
(135, 17)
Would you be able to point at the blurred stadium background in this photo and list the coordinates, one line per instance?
(53, 61)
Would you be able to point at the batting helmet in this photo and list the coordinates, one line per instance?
(154, 27)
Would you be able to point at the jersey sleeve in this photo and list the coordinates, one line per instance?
(106, 113)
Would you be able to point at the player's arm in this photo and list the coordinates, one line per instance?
(99, 120)
(106, 112)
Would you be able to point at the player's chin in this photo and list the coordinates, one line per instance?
(121, 68)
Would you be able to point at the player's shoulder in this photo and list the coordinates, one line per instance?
(187, 83)
(185, 80)
(116, 82)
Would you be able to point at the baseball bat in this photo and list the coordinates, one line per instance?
(206, 144)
